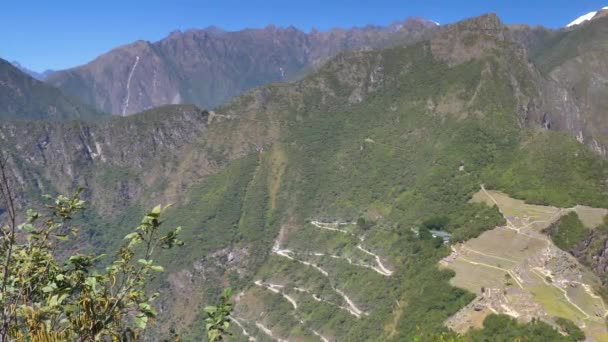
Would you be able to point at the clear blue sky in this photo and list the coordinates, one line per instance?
(58, 34)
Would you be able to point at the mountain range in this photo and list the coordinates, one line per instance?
(210, 66)
(372, 184)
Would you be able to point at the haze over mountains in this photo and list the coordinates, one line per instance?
(210, 66)
(23, 97)
(316, 174)
(41, 76)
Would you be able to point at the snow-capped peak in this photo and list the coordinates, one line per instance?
(585, 17)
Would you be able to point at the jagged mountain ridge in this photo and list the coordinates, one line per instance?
(208, 67)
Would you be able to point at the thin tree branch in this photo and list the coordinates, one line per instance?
(9, 199)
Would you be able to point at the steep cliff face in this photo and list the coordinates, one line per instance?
(25, 98)
(574, 65)
(116, 161)
(208, 67)
(593, 252)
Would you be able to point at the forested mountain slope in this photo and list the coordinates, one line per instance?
(313, 199)
(25, 98)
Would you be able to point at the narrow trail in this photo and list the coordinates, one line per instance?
(287, 254)
(332, 226)
(383, 270)
(512, 226)
(323, 338)
(527, 225)
(240, 325)
(380, 270)
(275, 289)
(345, 308)
(352, 308)
(489, 255)
(509, 223)
(589, 291)
(268, 332)
(494, 267)
(539, 273)
(125, 105)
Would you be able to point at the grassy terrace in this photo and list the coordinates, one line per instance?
(518, 261)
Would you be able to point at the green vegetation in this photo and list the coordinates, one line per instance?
(568, 232)
(48, 297)
(392, 159)
(553, 169)
(570, 329)
(436, 223)
(409, 155)
(218, 321)
(472, 220)
(24, 98)
(502, 328)
(560, 46)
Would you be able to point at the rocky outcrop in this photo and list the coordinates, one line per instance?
(575, 82)
(469, 39)
(593, 253)
(114, 160)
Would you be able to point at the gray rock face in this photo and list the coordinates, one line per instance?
(115, 160)
(208, 67)
(574, 69)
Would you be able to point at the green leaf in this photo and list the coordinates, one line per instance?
(141, 321)
(144, 306)
(91, 281)
(54, 300)
(62, 237)
(155, 212)
(144, 262)
(28, 227)
(131, 236)
(210, 309)
(157, 268)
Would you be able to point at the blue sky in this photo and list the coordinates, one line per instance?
(59, 34)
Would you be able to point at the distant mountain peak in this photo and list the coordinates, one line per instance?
(587, 17)
(41, 76)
